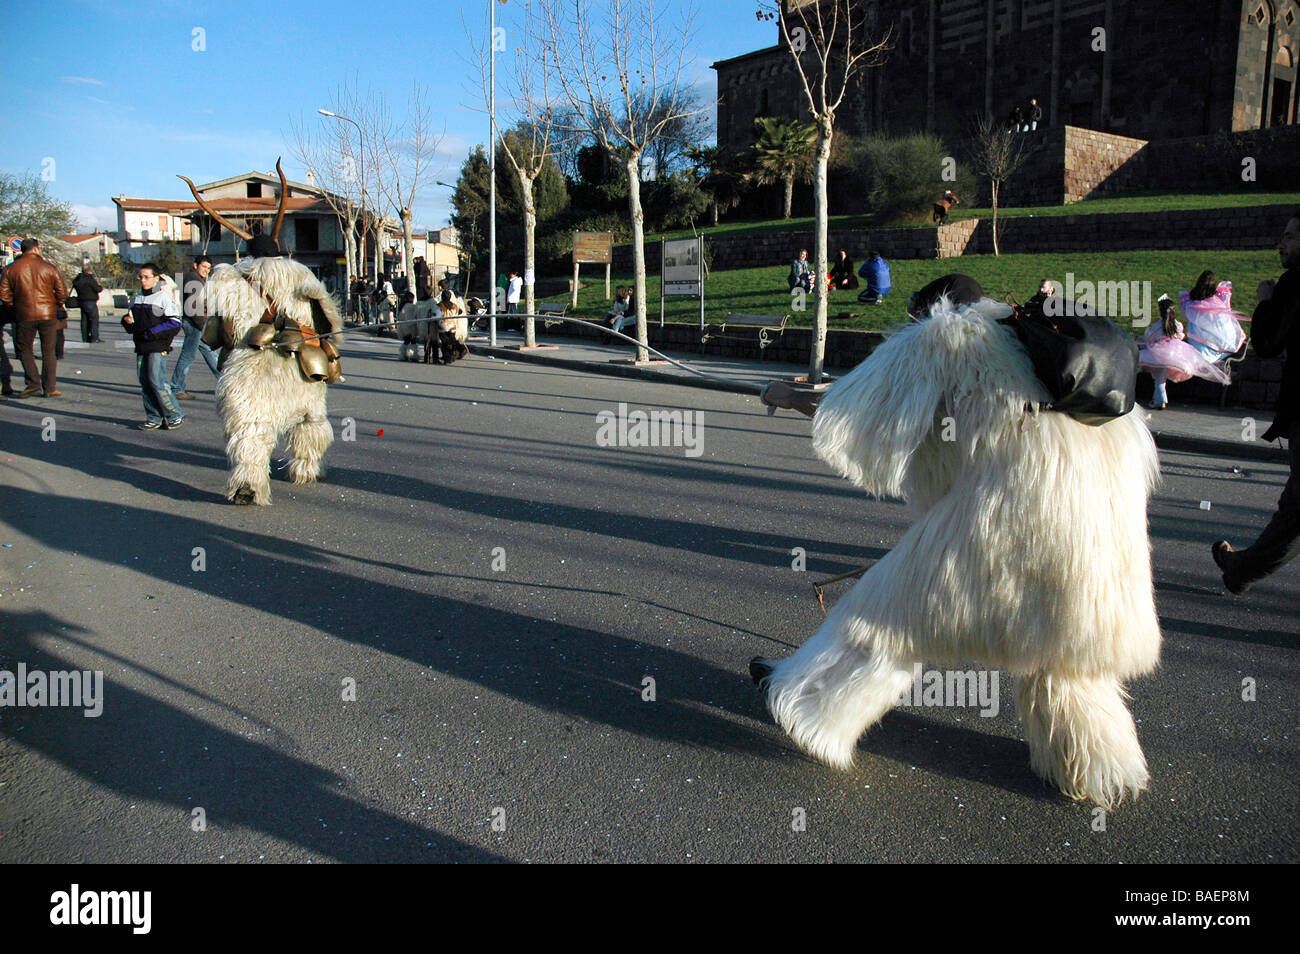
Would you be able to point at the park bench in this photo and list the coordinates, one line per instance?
(766, 325)
(551, 312)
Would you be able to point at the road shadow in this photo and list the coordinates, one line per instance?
(145, 749)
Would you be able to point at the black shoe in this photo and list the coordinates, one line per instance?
(173, 425)
(1223, 552)
(150, 425)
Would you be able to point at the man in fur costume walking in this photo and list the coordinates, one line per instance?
(1029, 551)
(267, 313)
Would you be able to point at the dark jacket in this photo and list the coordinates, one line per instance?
(86, 287)
(34, 287)
(153, 320)
(195, 308)
(1275, 328)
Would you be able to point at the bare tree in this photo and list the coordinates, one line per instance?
(997, 152)
(622, 75)
(404, 150)
(829, 43)
(532, 142)
(332, 154)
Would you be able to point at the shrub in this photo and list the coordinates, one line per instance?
(896, 178)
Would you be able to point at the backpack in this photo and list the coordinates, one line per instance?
(1087, 362)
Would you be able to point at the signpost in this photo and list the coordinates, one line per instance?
(594, 248)
(682, 272)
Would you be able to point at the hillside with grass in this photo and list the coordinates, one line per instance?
(763, 290)
(1136, 202)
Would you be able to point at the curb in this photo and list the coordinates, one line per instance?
(1172, 442)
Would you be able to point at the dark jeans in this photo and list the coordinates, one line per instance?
(193, 343)
(25, 339)
(90, 321)
(1280, 540)
(159, 404)
(6, 368)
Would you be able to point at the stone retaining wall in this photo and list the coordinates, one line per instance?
(1251, 227)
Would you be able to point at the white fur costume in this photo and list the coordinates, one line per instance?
(262, 394)
(420, 319)
(1029, 553)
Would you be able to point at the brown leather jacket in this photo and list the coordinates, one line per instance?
(34, 287)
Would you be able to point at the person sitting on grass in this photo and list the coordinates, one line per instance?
(801, 272)
(842, 273)
(876, 271)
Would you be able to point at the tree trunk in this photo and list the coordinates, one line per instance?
(993, 188)
(821, 209)
(349, 252)
(530, 231)
(789, 194)
(715, 213)
(408, 246)
(638, 250)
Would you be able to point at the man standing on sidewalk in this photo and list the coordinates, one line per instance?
(88, 289)
(36, 290)
(195, 316)
(1275, 328)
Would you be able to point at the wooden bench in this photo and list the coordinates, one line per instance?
(766, 325)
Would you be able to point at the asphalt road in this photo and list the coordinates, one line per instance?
(490, 696)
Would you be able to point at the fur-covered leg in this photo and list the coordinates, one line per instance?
(248, 448)
(1081, 736)
(829, 692)
(308, 442)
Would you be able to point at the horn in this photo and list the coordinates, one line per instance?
(284, 196)
(208, 209)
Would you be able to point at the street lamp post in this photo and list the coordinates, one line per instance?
(361, 142)
(492, 172)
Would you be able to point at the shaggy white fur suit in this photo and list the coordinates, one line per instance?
(1029, 553)
(262, 394)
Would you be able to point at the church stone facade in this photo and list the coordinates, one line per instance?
(1146, 69)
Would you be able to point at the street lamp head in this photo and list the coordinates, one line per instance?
(326, 112)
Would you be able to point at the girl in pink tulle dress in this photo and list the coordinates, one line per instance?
(1213, 328)
(1167, 356)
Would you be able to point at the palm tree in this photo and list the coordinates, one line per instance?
(784, 151)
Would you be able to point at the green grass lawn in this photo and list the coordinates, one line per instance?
(1136, 202)
(762, 290)
(1140, 202)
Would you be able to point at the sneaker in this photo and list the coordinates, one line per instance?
(150, 425)
(172, 425)
(30, 392)
(1222, 552)
(55, 393)
(183, 396)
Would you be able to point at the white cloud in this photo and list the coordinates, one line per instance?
(82, 79)
(102, 217)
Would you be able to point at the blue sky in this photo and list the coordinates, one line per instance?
(109, 96)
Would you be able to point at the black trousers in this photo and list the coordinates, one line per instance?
(26, 340)
(1278, 543)
(89, 321)
(6, 367)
